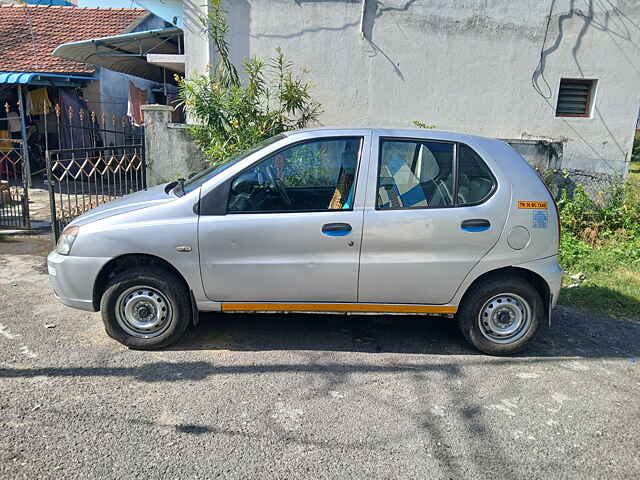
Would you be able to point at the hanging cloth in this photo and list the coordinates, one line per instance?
(13, 120)
(137, 98)
(72, 133)
(38, 101)
(6, 145)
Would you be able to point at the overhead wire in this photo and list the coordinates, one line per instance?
(540, 67)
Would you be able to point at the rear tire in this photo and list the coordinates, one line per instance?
(500, 316)
(146, 308)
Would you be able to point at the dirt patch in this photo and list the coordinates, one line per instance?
(38, 245)
(39, 208)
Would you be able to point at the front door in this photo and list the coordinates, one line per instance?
(432, 213)
(293, 227)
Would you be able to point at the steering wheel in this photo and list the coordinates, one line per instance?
(281, 190)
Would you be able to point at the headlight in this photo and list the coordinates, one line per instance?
(65, 242)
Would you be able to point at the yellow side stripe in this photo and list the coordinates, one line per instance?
(335, 307)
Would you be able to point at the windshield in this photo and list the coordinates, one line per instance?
(208, 173)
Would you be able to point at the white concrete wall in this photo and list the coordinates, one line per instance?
(463, 65)
(200, 53)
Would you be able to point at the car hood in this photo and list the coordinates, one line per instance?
(134, 201)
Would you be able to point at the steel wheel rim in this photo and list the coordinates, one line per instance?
(143, 312)
(505, 318)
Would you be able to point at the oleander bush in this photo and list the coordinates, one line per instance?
(232, 112)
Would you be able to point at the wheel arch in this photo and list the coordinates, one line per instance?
(538, 282)
(125, 262)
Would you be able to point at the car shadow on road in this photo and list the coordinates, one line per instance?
(572, 333)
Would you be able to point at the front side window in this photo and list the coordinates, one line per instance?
(415, 174)
(311, 176)
(207, 174)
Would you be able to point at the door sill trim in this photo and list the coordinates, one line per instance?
(336, 307)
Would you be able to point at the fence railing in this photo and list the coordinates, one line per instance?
(99, 159)
(81, 128)
(14, 172)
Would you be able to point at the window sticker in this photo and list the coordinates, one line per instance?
(539, 219)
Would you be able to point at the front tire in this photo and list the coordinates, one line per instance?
(500, 316)
(146, 308)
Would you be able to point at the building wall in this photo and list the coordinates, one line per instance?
(110, 92)
(114, 91)
(199, 53)
(467, 65)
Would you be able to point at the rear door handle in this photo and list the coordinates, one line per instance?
(336, 229)
(475, 225)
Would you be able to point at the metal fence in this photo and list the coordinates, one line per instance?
(14, 170)
(100, 158)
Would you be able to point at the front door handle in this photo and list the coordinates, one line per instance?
(475, 225)
(336, 229)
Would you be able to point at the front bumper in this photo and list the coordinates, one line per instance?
(72, 279)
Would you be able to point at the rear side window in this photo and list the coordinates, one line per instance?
(431, 174)
(415, 174)
(475, 181)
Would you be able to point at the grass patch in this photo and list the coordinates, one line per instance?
(614, 290)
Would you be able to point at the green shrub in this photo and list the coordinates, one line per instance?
(572, 250)
(635, 154)
(614, 214)
(231, 115)
(600, 233)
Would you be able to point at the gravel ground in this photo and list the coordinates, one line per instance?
(297, 396)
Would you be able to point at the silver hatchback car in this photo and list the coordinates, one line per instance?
(327, 220)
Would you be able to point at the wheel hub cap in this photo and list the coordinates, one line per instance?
(505, 318)
(143, 312)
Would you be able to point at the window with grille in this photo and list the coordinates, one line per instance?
(575, 98)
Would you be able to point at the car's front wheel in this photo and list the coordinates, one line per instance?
(501, 316)
(146, 308)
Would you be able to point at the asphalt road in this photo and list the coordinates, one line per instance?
(307, 396)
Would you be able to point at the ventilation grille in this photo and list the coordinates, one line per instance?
(574, 98)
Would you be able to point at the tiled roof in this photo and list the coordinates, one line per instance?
(29, 34)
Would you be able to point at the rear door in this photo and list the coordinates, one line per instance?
(431, 214)
(293, 226)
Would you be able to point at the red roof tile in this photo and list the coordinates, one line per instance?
(29, 34)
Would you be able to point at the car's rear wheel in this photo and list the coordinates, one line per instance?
(501, 316)
(146, 308)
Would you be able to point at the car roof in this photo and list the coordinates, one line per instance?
(402, 133)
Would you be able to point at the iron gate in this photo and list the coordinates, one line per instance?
(14, 171)
(102, 159)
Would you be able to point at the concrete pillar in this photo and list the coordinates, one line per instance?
(170, 152)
